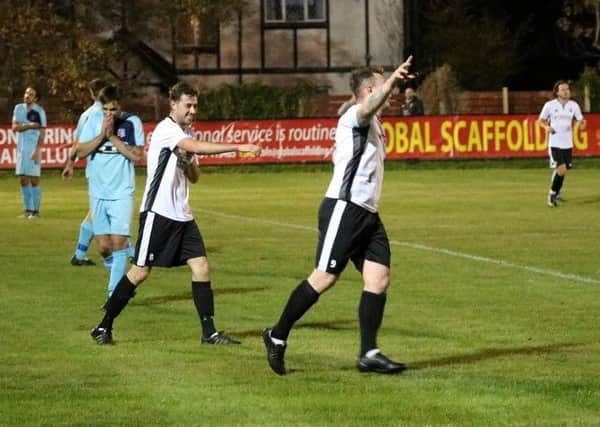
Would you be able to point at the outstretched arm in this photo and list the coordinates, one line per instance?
(369, 108)
(200, 147)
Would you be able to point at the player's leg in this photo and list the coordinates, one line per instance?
(102, 230)
(193, 252)
(118, 213)
(376, 276)
(124, 291)
(36, 195)
(24, 183)
(560, 159)
(86, 234)
(151, 240)
(336, 239)
(567, 158)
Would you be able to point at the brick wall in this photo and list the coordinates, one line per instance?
(152, 109)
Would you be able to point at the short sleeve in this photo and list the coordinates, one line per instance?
(91, 129)
(545, 114)
(79, 128)
(577, 112)
(138, 130)
(17, 114)
(349, 118)
(176, 135)
(43, 122)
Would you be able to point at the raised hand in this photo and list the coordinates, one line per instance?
(403, 71)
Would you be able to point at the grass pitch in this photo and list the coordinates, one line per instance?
(494, 303)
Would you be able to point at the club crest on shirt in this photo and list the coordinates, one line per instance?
(121, 133)
(34, 116)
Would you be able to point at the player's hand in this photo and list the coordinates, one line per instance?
(108, 126)
(403, 71)
(36, 155)
(250, 148)
(67, 173)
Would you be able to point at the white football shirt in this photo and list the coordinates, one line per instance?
(561, 119)
(167, 187)
(358, 158)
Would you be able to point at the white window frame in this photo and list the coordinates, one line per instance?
(284, 17)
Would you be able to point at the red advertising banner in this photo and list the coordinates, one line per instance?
(311, 140)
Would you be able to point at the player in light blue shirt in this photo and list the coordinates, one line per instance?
(29, 121)
(86, 231)
(112, 142)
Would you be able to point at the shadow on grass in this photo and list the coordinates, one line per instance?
(491, 353)
(332, 325)
(187, 296)
(585, 201)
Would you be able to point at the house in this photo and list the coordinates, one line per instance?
(276, 42)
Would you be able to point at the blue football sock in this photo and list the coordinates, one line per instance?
(86, 233)
(119, 267)
(130, 249)
(36, 196)
(108, 260)
(27, 200)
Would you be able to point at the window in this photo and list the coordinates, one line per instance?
(294, 11)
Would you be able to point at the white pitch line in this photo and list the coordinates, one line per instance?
(418, 246)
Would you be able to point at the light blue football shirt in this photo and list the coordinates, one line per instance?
(27, 140)
(111, 176)
(94, 109)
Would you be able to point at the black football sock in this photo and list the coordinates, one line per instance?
(370, 315)
(120, 297)
(204, 302)
(301, 299)
(557, 183)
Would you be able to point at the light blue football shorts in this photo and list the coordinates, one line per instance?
(26, 166)
(111, 216)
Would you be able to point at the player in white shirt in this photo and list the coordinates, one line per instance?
(168, 235)
(349, 226)
(557, 118)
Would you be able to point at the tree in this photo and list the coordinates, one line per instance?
(60, 45)
(477, 44)
(579, 29)
(42, 48)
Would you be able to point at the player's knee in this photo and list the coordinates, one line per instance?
(200, 269)
(105, 248)
(137, 275)
(321, 280)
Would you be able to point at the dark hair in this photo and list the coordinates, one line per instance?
(96, 85)
(181, 88)
(359, 75)
(109, 94)
(557, 84)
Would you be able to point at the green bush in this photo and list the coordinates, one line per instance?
(255, 101)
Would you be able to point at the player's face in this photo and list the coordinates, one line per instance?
(184, 109)
(30, 95)
(563, 92)
(409, 93)
(111, 109)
